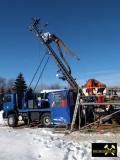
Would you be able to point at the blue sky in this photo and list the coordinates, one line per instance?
(90, 28)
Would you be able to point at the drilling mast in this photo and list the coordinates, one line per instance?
(45, 38)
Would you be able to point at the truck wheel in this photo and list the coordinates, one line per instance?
(12, 120)
(46, 119)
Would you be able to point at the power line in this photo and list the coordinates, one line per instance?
(41, 73)
(37, 69)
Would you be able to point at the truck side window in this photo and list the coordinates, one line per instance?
(7, 99)
(58, 98)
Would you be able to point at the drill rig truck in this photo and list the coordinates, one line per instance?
(64, 106)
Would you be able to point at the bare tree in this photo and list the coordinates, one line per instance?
(6, 85)
(2, 85)
(10, 85)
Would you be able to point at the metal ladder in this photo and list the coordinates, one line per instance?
(75, 110)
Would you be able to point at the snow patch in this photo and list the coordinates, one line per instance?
(42, 144)
(1, 118)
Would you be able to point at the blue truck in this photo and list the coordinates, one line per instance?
(56, 109)
(59, 105)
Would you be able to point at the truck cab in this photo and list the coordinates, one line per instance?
(27, 109)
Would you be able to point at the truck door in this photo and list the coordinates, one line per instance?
(8, 102)
(60, 112)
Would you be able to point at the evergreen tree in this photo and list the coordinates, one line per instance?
(20, 85)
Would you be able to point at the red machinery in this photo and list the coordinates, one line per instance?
(92, 84)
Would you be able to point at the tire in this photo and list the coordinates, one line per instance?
(46, 120)
(12, 120)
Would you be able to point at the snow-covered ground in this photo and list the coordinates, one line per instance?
(1, 119)
(43, 144)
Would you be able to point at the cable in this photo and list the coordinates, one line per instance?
(63, 58)
(41, 74)
(57, 40)
(61, 43)
(37, 69)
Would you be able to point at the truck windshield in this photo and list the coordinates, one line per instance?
(7, 99)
